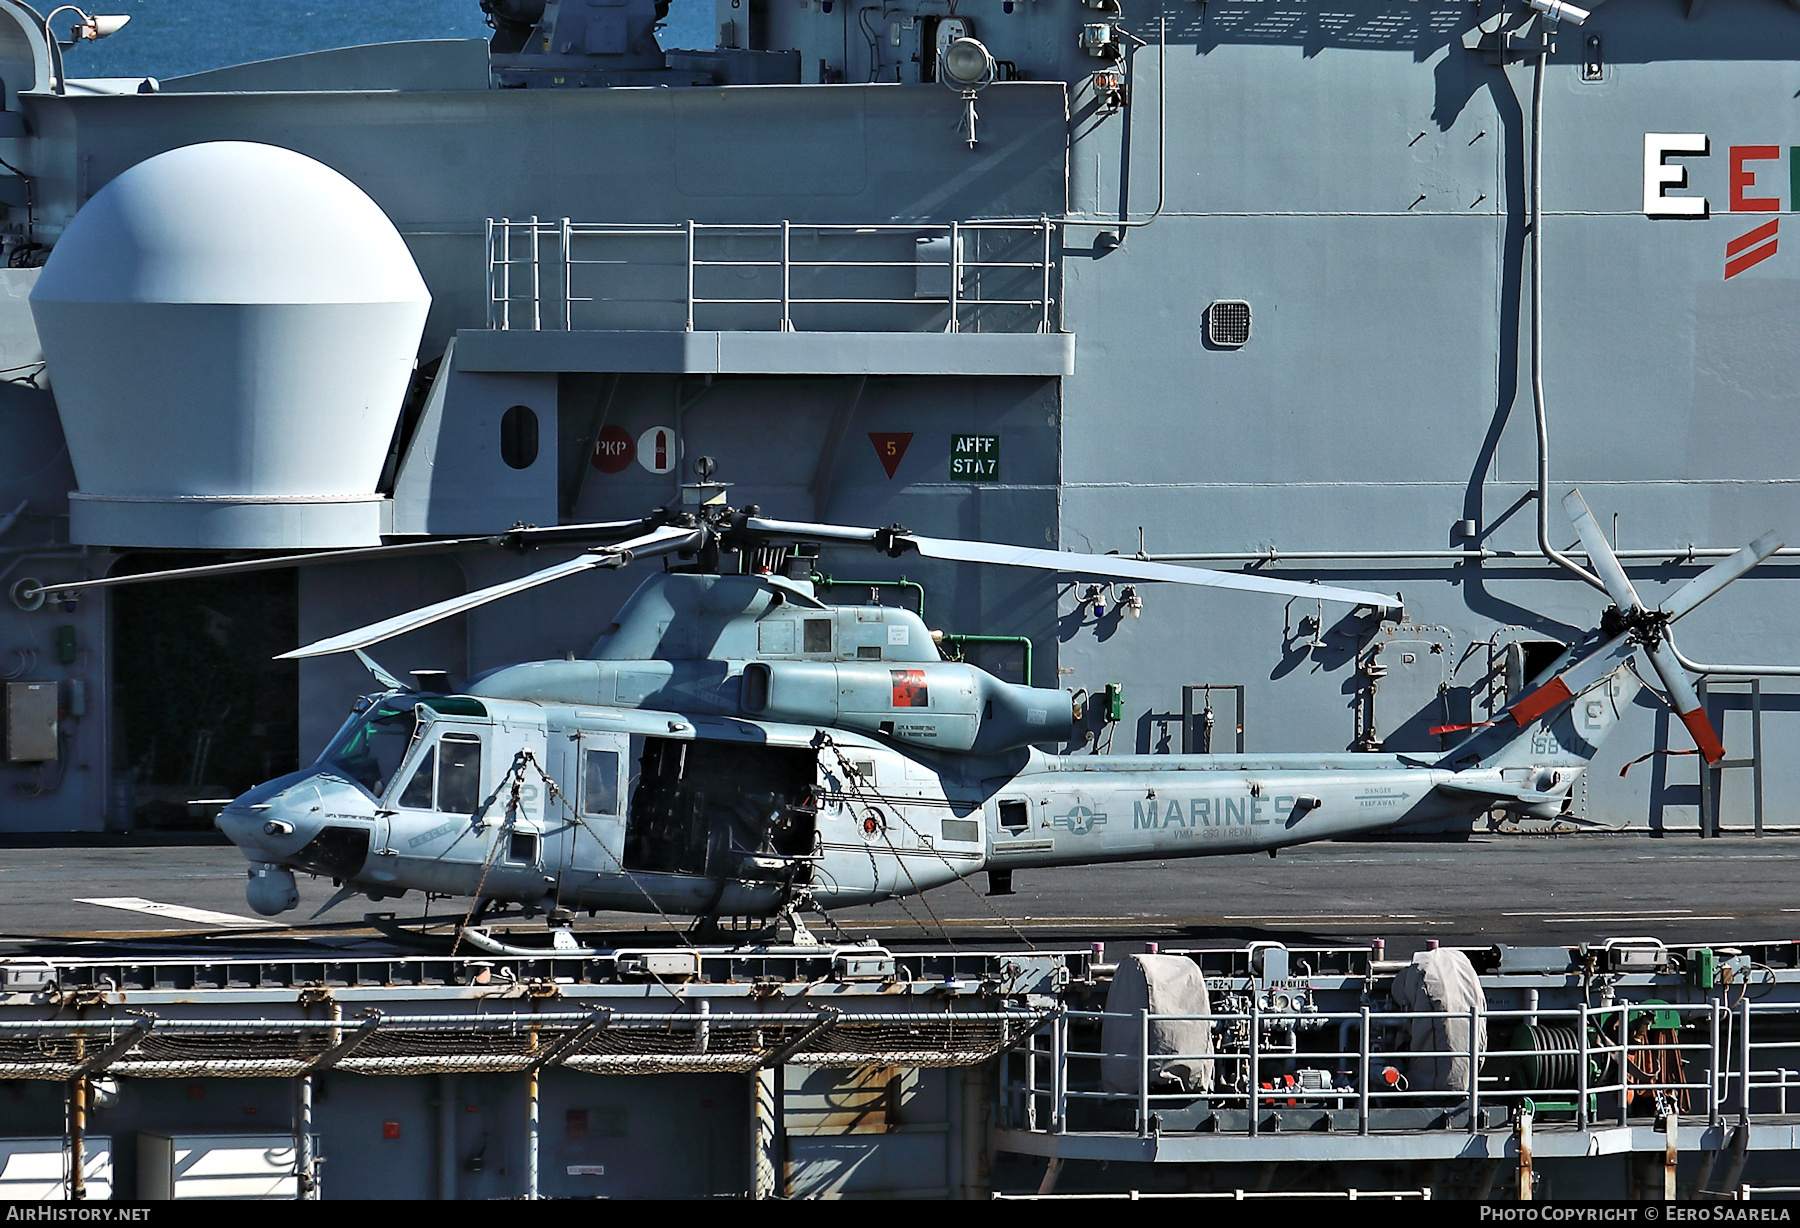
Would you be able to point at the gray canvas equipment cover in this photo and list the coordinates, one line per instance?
(1441, 980)
(1166, 985)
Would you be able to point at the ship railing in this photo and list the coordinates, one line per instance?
(1590, 1066)
(976, 276)
(141, 1044)
(1746, 1192)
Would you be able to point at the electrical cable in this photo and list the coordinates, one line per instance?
(862, 20)
(1162, 142)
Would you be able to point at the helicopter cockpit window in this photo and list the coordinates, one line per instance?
(417, 795)
(459, 773)
(600, 783)
(370, 749)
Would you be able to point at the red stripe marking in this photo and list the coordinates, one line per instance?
(1540, 701)
(1711, 749)
(1734, 267)
(1766, 231)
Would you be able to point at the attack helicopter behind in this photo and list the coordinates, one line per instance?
(733, 746)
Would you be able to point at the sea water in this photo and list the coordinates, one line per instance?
(169, 38)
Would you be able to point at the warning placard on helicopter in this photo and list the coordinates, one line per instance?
(910, 690)
(974, 458)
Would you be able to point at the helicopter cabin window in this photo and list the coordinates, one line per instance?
(600, 783)
(1015, 817)
(459, 773)
(417, 795)
(817, 635)
(523, 846)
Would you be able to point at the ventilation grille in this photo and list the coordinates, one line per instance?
(1228, 323)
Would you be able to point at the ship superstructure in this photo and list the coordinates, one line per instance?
(1334, 292)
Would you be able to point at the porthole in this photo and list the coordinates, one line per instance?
(519, 437)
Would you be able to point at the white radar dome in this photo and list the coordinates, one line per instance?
(230, 329)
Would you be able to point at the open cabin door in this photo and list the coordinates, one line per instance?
(730, 810)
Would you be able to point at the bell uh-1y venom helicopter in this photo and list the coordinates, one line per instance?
(732, 746)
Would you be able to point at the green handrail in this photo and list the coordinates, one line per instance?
(901, 583)
(955, 643)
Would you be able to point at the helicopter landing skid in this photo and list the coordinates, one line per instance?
(562, 942)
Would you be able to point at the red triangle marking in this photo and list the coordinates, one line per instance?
(890, 446)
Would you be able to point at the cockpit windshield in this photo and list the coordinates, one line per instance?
(369, 748)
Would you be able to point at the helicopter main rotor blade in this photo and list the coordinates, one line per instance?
(667, 540)
(1110, 565)
(1126, 568)
(1708, 583)
(571, 534)
(808, 531)
(353, 554)
(1600, 554)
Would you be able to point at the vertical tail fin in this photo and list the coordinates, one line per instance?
(1563, 718)
(1531, 758)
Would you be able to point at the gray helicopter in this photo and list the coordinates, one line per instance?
(734, 747)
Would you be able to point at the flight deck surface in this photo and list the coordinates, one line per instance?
(1515, 890)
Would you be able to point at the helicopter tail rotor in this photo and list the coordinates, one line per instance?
(1631, 625)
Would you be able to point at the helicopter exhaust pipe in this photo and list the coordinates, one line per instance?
(942, 705)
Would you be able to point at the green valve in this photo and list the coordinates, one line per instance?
(1114, 700)
(65, 645)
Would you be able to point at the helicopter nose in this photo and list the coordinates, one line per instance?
(277, 818)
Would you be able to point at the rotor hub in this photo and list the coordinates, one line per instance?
(1646, 627)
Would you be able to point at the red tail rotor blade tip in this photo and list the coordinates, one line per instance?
(1711, 749)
